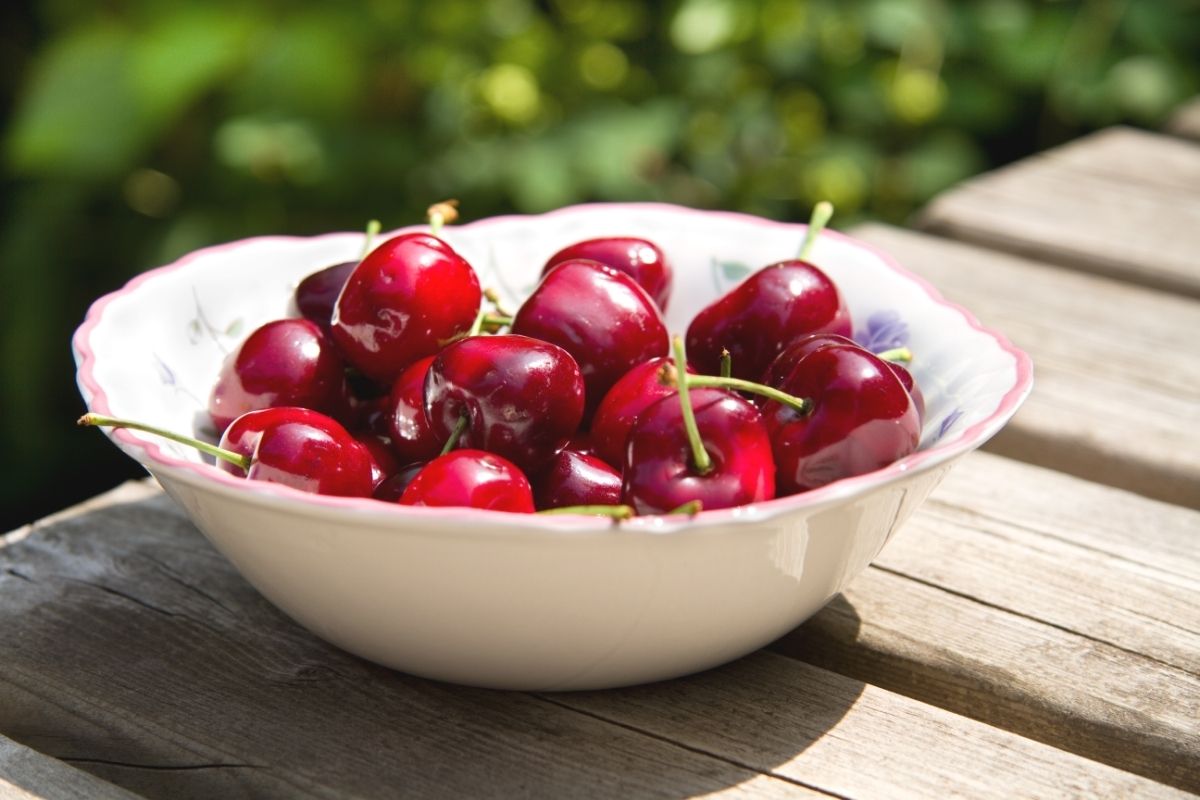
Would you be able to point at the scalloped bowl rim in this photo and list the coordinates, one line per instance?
(154, 458)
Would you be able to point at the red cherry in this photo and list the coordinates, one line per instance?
(598, 315)
(522, 397)
(777, 371)
(404, 301)
(316, 295)
(637, 389)
(412, 437)
(471, 478)
(300, 448)
(660, 473)
(910, 383)
(288, 362)
(640, 259)
(383, 462)
(574, 479)
(862, 419)
(764, 314)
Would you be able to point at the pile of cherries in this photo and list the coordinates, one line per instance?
(402, 379)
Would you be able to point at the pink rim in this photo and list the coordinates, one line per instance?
(204, 474)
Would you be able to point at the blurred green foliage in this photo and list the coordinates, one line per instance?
(137, 130)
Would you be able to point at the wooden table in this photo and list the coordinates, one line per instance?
(1034, 631)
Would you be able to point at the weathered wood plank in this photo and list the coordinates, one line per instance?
(1121, 203)
(29, 775)
(181, 681)
(1080, 628)
(1186, 120)
(1116, 395)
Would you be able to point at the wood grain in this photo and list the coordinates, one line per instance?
(1121, 203)
(180, 681)
(1079, 627)
(1116, 395)
(29, 775)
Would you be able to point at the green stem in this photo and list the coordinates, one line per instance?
(489, 320)
(800, 404)
(373, 229)
(99, 420)
(493, 297)
(703, 463)
(616, 512)
(900, 355)
(821, 215)
(691, 508)
(726, 363)
(455, 435)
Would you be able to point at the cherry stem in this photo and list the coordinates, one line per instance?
(691, 508)
(821, 214)
(899, 355)
(441, 214)
(726, 363)
(99, 420)
(493, 297)
(455, 435)
(488, 319)
(703, 463)
(617, 512)
(373, 229)
(799, 404)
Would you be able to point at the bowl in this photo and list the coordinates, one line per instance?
(529, 602)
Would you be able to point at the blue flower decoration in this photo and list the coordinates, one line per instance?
(885, 331)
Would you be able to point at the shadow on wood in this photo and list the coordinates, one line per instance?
(135, 652)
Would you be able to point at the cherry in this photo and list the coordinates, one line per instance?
(471, 478)
(630, 396)
(598, 315)
(404, 301)
(767, 311)
(316, 295)
(777, 371)
(522, 398)
(392, 488)
(660, 471)
(706, 447)
(910, 383)
(575, 479)
(243, 434)
(412, 437)
(861, 418)
(383, 462)
(295, 447)
(287, 362)
(640, 259)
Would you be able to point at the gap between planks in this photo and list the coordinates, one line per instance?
(1120, 202)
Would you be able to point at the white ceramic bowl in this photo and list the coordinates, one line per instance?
(516, 601)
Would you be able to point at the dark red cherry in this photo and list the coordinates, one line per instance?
(522, 397)
(600, 316)
(660, 473)
(300, 448)
(412, 437)
(782, 365)
(288, 362)
(762, 315)
(383, 462)
(640, 259)
(910, 383)
(471, 478)
(637, 389)
(242, 435)
(392, 488)
(404, 301)
(316, 295)
(574, 479)
(862, 419)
